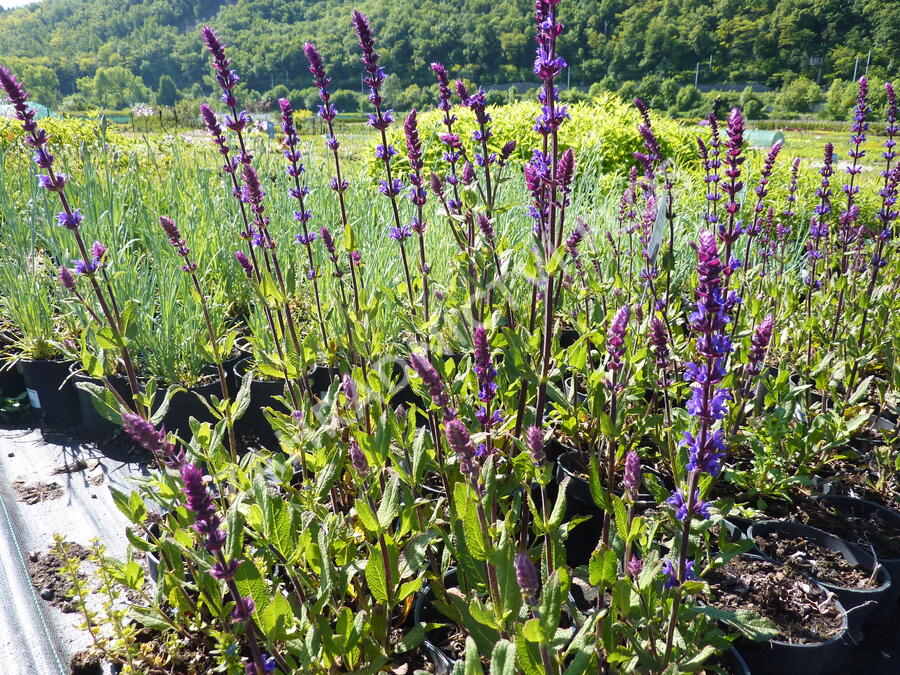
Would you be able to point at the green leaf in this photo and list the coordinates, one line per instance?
(532, 631)
(390, 503)
(473, 658)
(276, 618)
(621, 516)
(551, 604)
(503, 658)
(366, 516)
(467, 512)
(752, 625)
(375, 573)
(149, 617)
(603, 567)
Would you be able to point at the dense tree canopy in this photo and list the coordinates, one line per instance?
(487, 41)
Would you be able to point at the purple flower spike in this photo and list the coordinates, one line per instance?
(245, 263)
(615, 339)
(349, 387)
(66, 278)
(632, 478)
(534, 439)
(678, 502)
(708, 456)
(635, 566)
(199, 500)
(659, 340)
(433, 382)
(243, 610)
(358, 458)
(671, 573)
(759, 343)
(528, 578)
(460, 442)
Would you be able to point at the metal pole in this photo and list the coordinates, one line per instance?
(696, 74)
(855, 66)
(868, 58)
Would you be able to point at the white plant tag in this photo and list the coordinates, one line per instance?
(659, 229)
(33, 398)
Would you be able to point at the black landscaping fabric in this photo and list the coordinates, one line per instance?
(35, 637)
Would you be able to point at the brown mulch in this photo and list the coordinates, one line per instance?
(34, 493)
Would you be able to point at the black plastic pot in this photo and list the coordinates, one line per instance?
(862, 507)
(776, 657)
(262, 395)
(186, 404)
(583, 537)
(733, 660)
(321, 378)
(49, 391)
(91, 419)
(11, 383)
(859, 603)
(424, 611)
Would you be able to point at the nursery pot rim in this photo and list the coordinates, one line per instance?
(837, 637)
(884, 574)
(874, 506)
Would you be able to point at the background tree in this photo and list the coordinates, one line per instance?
(166, 94)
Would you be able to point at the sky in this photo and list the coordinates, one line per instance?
(6, 4)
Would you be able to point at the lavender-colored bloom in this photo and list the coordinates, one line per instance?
(759, 343)
(734, 144)
(615, 338)
(243, 610)
(66, 278)
(349, 387)
(632, 477)
(413, 143)
(18, 97)
(151, 439)
(653, 152)
(358, 458)
(486, 227)
(226, 78)
(71, 220)
(484, 369)
(635, 566)
(708, 408)
(443, 86)
(659, 341)
(528, 578)
(671, 573)
(433, 382)
(225, 571)
(460, 442)
(678, 502)
(199, 500)
(706, 457)
(534, 439)
(269, 666)
(245, 263)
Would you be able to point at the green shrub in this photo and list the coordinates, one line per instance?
(603, 133)
(800, 95)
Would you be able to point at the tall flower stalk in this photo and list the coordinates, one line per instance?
(887, 214)
(300, 192)
(708, 402)
(248, 191)
(542, 173)
(818, 237)
(55, 181)
(178, 242)
(847, 232)
(327, 112)
(381, 119)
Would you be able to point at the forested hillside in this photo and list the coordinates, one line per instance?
(60, 46)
